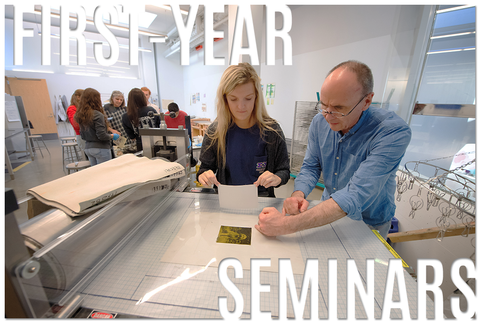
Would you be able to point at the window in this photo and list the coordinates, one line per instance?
(447, 88)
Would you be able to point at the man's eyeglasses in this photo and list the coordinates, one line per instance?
(323, 109)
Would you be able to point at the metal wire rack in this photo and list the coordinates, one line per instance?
(448, 190)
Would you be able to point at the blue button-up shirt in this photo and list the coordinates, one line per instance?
(359, 167)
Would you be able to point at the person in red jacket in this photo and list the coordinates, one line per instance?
(74, 102)
(175, 117)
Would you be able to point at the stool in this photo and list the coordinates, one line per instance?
(70, 148)
(68, 138)
(76, 166)
(35, 139)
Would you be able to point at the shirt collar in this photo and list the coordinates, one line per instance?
(359, 123)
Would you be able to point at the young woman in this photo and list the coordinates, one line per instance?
(137, 116)
(94, 127)
(74, 102)
(115, 109)
(244, 145)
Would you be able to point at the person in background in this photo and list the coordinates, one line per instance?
(357, 148)
(148, 93)
(137, 116)
(243, 145)
(94, 125)
(74, 102)
(115, 109)
(175, 116)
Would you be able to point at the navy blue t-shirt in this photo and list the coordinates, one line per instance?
(246, 156)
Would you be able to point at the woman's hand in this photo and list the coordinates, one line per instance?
(268, 179)
(114, 131)
(208, 178)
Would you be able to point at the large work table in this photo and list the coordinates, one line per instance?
(158, 257)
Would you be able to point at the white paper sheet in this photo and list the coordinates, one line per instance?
(195, 243)
(238, 197)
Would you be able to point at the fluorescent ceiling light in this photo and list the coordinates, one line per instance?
(123, 77)
(33, 71)
(82, 74)
(455, 8)
(453, 35)
(141, 49)
(122, 28)
(167, 7)
(451, 50)
(91, 57)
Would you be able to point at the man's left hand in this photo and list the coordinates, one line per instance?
(272, 223)
(267, 179)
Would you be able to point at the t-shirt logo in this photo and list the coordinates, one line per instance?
(261, 166)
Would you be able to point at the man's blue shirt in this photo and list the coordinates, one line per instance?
(359, 167)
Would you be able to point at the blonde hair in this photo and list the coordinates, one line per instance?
(233, 76)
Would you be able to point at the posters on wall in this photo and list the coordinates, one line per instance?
(270, 93)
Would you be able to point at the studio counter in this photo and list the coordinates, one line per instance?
(160, 257)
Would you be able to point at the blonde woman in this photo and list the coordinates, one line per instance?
(244, 145)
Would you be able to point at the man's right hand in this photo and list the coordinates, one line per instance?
(295, 204)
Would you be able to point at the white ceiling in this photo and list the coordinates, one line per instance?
(163, 23)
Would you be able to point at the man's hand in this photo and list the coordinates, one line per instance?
(267, 179)
(272, 223)
(295, 204)
(208, 178)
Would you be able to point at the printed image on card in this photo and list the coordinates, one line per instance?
(235, 235)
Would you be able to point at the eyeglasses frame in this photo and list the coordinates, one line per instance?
(336, 113)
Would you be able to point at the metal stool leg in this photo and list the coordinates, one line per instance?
(63, 157)
(76, 153)
(46, 147)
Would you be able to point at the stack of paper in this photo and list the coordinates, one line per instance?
(95, 186)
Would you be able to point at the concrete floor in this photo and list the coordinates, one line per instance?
(50, 167)
(34, 173)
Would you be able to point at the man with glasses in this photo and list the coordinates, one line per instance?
(357, 148)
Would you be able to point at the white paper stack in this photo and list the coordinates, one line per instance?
(95, 186)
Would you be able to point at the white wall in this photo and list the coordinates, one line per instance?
(324, 36)
(169, 77)
(179, 83)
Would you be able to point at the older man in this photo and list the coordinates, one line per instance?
(357, 148)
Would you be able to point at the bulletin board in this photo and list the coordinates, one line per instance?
(36, 100)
